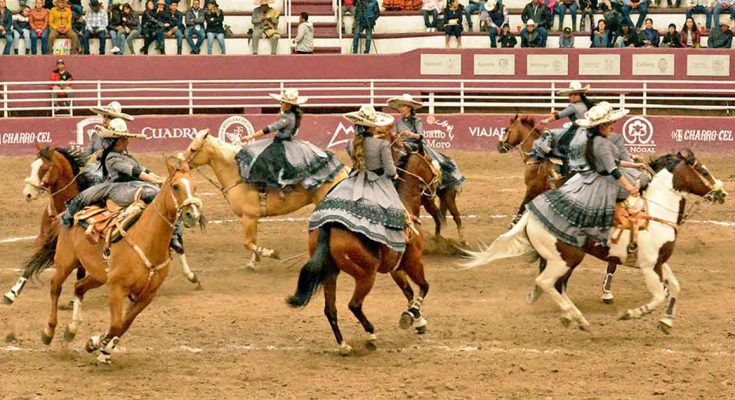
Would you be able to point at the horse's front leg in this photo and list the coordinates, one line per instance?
(666, 323)
(250, 228)
(607, 296)
(653, 276)
(430, 207)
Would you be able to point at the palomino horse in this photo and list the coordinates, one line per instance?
(334, 249)
(245, 200)
(681, 174)
(58, 172)
(138, 263)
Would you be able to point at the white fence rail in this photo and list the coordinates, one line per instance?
(475, 95)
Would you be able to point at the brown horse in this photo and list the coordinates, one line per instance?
(447, 202)
(56, 172)
(245, 200)
(334, 249)
(138, 264)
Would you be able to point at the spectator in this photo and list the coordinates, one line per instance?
(473, 7)
(150, 27)
(39, 27)
(701, 7)
(588, 8)
(96, 19)
(601, 36)
(611, 13)
(498, 17)
(348, 8)
(114, 21)
(76, 6)
(430, 7)
(649, 37)
(530, 36)
(507, 40)
(561, 9)
(215, 30)
(721, 6)
(629, 38)
(366, 13)
(129, 30)
(453, 22)
(304, 35)
(265, 24)
(78, 26)
(164, 24)
(690, 36)
(48, 4)
(59, 22)
(671, 39)
(195, 26)
(720, 38)
(551, 5)
(62, 89)
(22, 28)
(539, 13)
(566, 40)
(176, 28)
(6, 27)
(640, 6)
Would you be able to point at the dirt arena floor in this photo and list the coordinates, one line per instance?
(237, 338)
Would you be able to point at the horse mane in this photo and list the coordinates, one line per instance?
(527, 120)
(670, 160)
(228, 150)
(76, 161)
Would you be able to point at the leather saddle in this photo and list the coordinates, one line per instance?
(107, 222)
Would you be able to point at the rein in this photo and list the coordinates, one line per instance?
(518, 146)
(428, 189)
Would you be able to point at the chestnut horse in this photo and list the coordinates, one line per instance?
(679, 174)
(447, 202)
(138, 263)
(333, 249)
(245, 200)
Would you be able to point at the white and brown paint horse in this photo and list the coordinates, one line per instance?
(244, 199)
(681, 174)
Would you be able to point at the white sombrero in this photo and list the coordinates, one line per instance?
(574, 87)
(118, 129)
(600, 114)
(290, 96)
(367, 116)
(112, 110)
(530, 22)
(490, 5)
(404, 100)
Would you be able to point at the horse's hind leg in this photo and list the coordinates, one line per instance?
(535, 293)
(666, 323)
(548, 280)
(607, 296)
(414, 267)
(80, 289)
(449, 201)
(430, 207)
(399, 276)
(330, 311)
(63, 269)
(362, 288)
(250, 228)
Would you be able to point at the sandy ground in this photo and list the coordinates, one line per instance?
(237, 338)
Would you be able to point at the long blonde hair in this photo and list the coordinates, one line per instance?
(358, 149)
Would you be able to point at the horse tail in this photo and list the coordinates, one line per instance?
(511, 244)
(43, 258)
(315, 272)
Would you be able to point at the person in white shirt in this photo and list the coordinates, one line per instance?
(304, 41)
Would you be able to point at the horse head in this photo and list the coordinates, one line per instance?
(521, 126)
(691, 176)
(183, 191)
(45, 171)
(199, 151)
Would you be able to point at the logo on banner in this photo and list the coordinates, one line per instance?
(638, 135)
(234, 128)
(440, 135)
(341, 135)
(702, 135)
(85, 129)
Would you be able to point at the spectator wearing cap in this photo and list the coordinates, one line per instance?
(701, 7)
(639, 6)
(176, 28)
(304, 41)
(601, 36)
(264, 26)
(195, 26)
(39, 28)
(671, 38)
(61, 89)
(530, 36)
(6, 27)
(60, 25)
(474, 6)
(720, 38)
(567, 5)
(128, 31)
(215, 29)
(453, 22)
(566, 40)
(22, 29)
(541, 17)
(96, 19)
(723, 6)
(629, 38)
(431, 8)
(690, 36)
(588, 8)
(498, 16)
(367, 13)
(506, 38)
(164, 24)
(649, 37)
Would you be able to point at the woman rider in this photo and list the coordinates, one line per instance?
(366, 202)
(92, 168)
(283, 161)
(579, 103)
(123, 177)
(411, 127)
(584, 206)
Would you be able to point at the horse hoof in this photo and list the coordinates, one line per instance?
(68, 306)
(420, 330)
(532, 296)
(198, 286)
(371, 342)
(250, 266)
(665, 327)
(46, 339)
(93, 344)
(8, 298)
(608, 301)
(104, 359)
(406, 320)
(607, 298)
(69, 335)
(345, 349)
(192, 278)
(276, 255)
(626, 316)
(565, 321)
(584, 326)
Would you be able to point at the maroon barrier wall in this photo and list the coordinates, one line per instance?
(446, 131)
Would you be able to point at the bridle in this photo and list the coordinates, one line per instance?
(223, 189)
(503, 139)
(191, 200)
(428, 189)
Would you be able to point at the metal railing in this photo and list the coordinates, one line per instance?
(463, 95)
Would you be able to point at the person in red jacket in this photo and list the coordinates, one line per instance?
(689, 36)
(61, 89)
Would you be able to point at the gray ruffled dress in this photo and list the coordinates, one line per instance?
(366, 202)
(451, 177)
(284, 161)
(583, 208)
